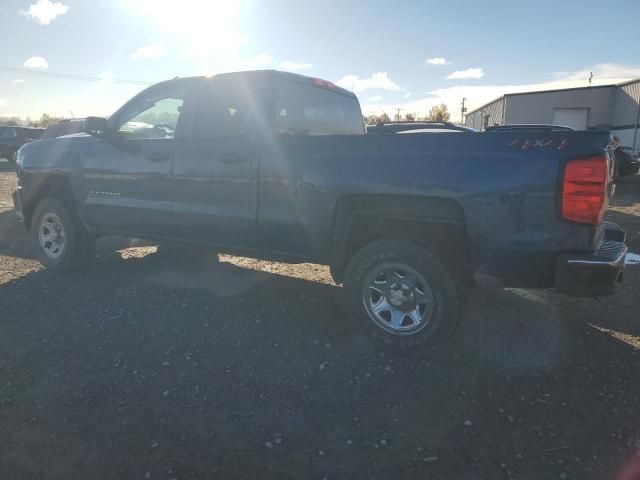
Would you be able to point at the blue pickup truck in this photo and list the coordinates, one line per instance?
(278, 166)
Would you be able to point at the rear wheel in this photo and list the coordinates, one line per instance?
(402, 295)
(59, 241)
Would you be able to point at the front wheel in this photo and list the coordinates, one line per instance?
(60, 242)
(402, 295)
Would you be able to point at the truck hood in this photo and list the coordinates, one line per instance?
(62, 152)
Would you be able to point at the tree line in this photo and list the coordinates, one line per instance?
(44, 121)
(437, 113)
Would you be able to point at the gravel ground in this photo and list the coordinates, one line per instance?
(144, 368)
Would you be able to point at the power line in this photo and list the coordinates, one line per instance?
(69, 76)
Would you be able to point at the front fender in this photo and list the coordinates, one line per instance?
(49, 168)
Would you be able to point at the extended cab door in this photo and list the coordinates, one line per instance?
(318, 134)
(215, 168)
(127, 176)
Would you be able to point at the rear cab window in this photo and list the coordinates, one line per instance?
(306, 109)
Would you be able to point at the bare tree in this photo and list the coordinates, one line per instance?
(439, 113)
(384, 118)
(46, 120)
(7, 121)
(409, 117)
(370, 119)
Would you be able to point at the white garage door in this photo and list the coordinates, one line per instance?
(571, 117)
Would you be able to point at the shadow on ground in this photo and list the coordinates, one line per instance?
(144, 365)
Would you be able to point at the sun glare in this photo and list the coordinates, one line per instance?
(206, 26)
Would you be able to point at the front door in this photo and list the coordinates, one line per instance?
(127, 176)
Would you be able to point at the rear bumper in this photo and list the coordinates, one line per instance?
(596, 274)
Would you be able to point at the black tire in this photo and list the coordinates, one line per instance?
(78, 249)
(444, 295)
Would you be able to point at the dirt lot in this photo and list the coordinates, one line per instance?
(143, 368)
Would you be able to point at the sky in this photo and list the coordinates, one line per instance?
(87, 57)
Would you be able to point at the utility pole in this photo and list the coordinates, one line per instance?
(590, 77)
(463, 110)
(398, 114)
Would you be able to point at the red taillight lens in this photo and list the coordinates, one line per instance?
(318, 82)
(584, 190)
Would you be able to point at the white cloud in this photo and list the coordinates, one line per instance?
(374, 98)
(437, 61)
(377, 81)
(44, 11)
(478, 95)
(17, 81)
(603, 73)
(36, 62)
(262, 60)
(3, 102)
(295, 66)
(406, 95)
(466, 74)
(155, 50)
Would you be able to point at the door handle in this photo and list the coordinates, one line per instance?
(158, 157)
(233, 158)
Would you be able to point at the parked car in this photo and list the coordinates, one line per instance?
(278, 166)
(399, 127)
(12, 138)
(63, 127)
(627, 162)
(543, 127)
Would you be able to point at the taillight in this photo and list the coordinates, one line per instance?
(318, 82)
(584, 190)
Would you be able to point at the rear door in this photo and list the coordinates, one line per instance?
(215, 171)
(127, 177)
(316, 125)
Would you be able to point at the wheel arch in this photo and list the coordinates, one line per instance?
(435, 223)
(37, 187)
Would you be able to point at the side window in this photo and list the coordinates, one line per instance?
(153, 116)
(310, 110)
(222, 112)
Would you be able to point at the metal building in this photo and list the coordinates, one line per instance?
(606, 107)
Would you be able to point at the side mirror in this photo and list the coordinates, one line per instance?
(95, 126)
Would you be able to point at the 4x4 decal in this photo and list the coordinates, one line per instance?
(542, 143)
